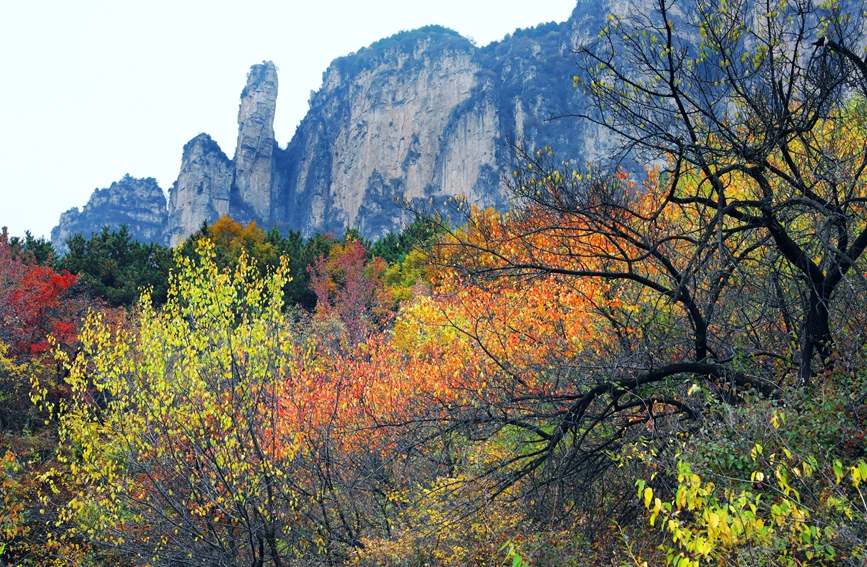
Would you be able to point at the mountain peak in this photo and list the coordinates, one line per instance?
(420, 115)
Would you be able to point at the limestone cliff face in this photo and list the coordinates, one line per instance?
(211, 185)
(422, 115)
(202, 190)
(138, 203)
(254, 152)
(385, 124)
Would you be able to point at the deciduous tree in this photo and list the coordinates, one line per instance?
(761, 103)
(173, 429)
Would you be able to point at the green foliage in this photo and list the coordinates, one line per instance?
(31, 249)
(418, 235)
(513, 555)
(319, 245)
(770, 482)
(112, 266)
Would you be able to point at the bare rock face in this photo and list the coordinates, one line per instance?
(137, 203)
(422, 115)
(388, 124)
(210, 185)
(202, 190)
(254, 151)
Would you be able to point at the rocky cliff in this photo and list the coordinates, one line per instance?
(397, 118)
(254, 152)
(211, 185)
(202, 191)
(423, 115)
(138, 203)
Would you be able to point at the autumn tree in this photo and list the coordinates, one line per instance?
(175, 425)
(761, 104)
(32, 302)
(38, 315)
(612, 309)
(720, 267)
(231, 239)
(349, 289)
(206, 434)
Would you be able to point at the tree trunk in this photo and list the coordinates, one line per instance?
(816, 335)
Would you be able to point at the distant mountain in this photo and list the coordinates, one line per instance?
(422, 114)
(138, 203)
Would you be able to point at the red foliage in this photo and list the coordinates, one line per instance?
(32, 304)
(350, 288)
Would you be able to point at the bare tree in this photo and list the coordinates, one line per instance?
(762, 102)
(742, 249)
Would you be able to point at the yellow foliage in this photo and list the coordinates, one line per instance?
(711, 525)
(231, 241)
(173, 430)
(450, 521)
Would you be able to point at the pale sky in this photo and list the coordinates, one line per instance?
(91, 90)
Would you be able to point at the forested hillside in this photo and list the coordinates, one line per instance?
(655, 368)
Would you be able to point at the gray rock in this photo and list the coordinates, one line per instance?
(202, 191)
(420, 115)
(138, 203)
(254, 153)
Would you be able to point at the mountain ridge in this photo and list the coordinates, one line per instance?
(423, 114)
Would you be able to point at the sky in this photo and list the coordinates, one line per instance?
(91, 90)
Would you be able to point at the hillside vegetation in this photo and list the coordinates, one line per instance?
(664, 368)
